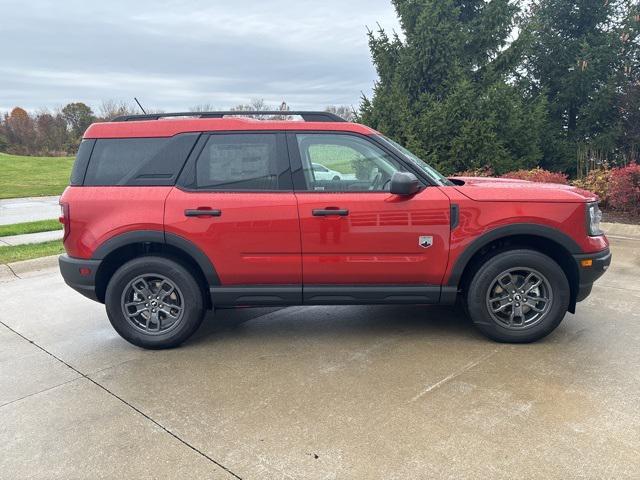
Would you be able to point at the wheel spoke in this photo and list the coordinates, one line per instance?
(535, 284)
(534, 304)
(510, 285)
(142, 290)
(140, 307)
(165, 293)
(170, 309)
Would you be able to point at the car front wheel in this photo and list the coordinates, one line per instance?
(154, 302)
(518, 296)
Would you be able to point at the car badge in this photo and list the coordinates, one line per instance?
(425, 241)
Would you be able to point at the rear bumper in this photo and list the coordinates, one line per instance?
(80, 274)
(600, 262)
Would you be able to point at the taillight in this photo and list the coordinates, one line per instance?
(65, 220)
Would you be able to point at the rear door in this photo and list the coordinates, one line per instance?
(234, 201)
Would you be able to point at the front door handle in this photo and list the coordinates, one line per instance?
(325, 212)
(209, 212)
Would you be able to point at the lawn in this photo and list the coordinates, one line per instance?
(33, 176)
(30, 227)
(34, 250)
(335, 157)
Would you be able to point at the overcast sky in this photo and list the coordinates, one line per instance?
(173, 55)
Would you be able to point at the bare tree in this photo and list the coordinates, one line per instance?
(203, 107)
(110, 109)
(345, 111)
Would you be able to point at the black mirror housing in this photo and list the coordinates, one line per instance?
(404, 183)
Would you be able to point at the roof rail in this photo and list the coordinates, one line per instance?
(306, 116)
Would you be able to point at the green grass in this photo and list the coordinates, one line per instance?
(30, 227)
(34, 250)
(335, 157)
(33, 176)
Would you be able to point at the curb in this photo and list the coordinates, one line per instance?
(28, 268)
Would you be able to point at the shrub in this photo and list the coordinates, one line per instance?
(624, 190)
(485, 171)
(598, 182)
(537, 175)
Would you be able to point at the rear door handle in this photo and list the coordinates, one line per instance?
(193, 212)
(325, 212)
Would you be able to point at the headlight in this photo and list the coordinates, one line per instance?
(594, 216)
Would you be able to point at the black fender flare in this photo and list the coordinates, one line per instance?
(166, 238)
(530, 229)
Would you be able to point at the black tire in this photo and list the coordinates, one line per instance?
(336, 178)
(188, 291)
(478, 295)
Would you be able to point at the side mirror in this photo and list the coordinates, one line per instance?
(404, 183)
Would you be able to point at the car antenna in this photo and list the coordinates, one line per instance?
(139, 105)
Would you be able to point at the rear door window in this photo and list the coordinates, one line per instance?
(138, 161)
(243, 161)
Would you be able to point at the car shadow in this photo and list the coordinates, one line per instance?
(319, 321)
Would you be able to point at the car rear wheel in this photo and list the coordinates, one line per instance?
(154, 302)
(518, 296)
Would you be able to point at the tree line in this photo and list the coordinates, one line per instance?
(503, 85)
(59, 132)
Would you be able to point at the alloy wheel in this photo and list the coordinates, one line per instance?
(519, 298)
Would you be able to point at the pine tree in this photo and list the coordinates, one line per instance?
(582, 55)
(443, 91)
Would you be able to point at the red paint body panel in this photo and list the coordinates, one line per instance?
(99, 213)
(509, 190)
(170, 127)
(377, 242)
(256, 239)
(478, 218)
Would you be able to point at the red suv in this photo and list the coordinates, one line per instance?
(170, 215)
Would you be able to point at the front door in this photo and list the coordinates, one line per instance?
(354, 232)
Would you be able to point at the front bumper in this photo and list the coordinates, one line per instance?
(80, 274)
(591, 266)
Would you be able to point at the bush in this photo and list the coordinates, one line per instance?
(485, 171)
(624, 190)
(537, 175)
(598, 182)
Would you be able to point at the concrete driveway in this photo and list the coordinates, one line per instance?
(318, 392)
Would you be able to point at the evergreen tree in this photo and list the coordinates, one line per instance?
(582, 55)
(443, 90)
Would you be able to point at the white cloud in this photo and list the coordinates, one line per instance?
(175, 54)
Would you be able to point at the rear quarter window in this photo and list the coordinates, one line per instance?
(138, 161)
(82, 160)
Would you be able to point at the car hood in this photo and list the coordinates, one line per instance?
(487, 189)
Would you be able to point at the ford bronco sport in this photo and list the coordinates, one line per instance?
(169, 215)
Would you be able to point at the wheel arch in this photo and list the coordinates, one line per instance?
(119, 249)
(557, 245)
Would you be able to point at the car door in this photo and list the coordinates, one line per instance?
(354, 232)
(234, 201)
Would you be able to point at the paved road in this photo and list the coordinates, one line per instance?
(317, 392)
(19, 210)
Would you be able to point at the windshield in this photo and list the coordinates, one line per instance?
(428, 170)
